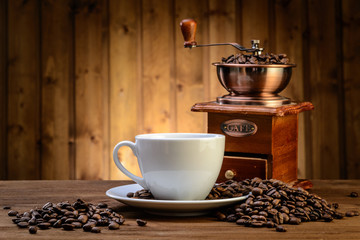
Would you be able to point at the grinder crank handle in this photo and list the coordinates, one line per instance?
(188, 29)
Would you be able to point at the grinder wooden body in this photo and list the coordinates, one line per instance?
(260, 141)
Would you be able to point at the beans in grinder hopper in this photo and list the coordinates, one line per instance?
(69, 217)
(256, 59)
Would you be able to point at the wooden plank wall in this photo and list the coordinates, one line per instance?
(78, 76)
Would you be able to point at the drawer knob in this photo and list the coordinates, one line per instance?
(230, 174)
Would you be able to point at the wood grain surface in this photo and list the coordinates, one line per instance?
(324, 86)
(91, 102)
(3, 89)
(56, 116)
(158, 82)
(25, 195)
(289, 40)
(125, 97)
(23, 110)
(351, 89)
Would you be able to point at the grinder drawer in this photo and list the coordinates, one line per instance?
(240, 168)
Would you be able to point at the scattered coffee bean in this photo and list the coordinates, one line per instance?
(294, 221)
(68, 227)
(130, 195)
(87, 227)
(335, 205)
(257, 191)
(22, 224)
(141, 222)
(281, 228)
(354, 194)
(351, 213)
(95, 230)
(220, 216)
(33, 229)
(102, 205)
(12, 213)
(44, 225)
(6, 207)
(114, 226)
(77, 224)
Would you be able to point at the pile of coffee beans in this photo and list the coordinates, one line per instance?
(67, 216)
(272, 203)
(256, 59)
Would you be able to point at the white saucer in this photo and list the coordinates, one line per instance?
(168, 207)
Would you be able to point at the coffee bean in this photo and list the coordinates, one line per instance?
(241, 221)
(44, 225)
(231, 218)
(327, 217)
(220, 216)
(281, 228)
(58, 224)
(114, 226)
(350, 214)
(270, 224)
(52, 221)
(77, 224)
(294, 221)
(83, 219)
(22, 224)
(130, 195)
(335, 205)
(95, 230)
(141, 222)
(12, 213)
(102, 205)
(33, 229)
(32, 221)
(87, 227)
(47, 205)
(354, 194)
(24, 219)
(6, 207)
(68, 227)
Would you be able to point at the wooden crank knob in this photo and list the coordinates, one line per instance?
(188, 29)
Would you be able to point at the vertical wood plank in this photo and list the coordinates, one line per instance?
(351, 49)
(323, 86)
(23, 90)
(222, 28)
(124, 78)
(105, 43)
(158, 86)
(289, 25)
(3, 89)
(256, 23)
(57, 81)
(90, 105)
(190, 87)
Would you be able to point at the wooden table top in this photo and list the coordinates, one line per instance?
(25, 195)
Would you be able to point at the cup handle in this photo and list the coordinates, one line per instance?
(139, 180)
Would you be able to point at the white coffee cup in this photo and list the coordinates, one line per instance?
(176, 166)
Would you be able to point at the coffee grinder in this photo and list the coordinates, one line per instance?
(260, 126)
